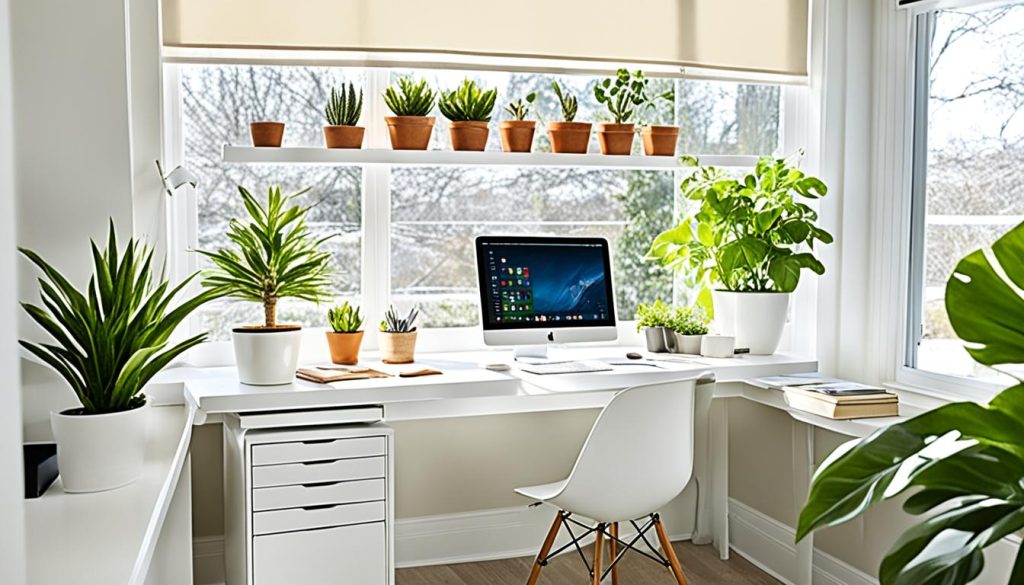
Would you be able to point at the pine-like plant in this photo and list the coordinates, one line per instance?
(410, 98)
(345, 107)
(274, 256)
(468, 102)
(345, 318)
(567, 101)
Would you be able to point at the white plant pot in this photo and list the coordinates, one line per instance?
(97, 452)
(266, 357)
(688, 344)
(755, 319)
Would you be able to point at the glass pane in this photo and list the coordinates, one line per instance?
(727, 118)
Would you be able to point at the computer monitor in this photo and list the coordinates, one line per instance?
(537, 290)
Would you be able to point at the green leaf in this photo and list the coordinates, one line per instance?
(705, 234)
(785, 270)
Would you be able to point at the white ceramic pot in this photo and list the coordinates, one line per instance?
(267, 357)
(755, 319)
(97, 452)
(717, 346)
(688, 344)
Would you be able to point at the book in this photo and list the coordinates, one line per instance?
(843, 403)
(779, 382)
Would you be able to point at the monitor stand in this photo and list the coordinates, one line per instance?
(530, 353)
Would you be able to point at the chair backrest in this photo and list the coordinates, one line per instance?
(639, 455)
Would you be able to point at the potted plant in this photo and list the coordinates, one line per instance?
(750, 239)
(398, 336)
(411, 102)
(654, 319)
(658, 140)
(342, 113)
(621, 95)
(345, 337)
(517, 133)
(266, 133)
(689, 325)
(274, 256)
(568, 136)
(959, 467)
(469, 108)
(109, 340)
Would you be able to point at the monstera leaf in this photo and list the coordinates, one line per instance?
(963, 463)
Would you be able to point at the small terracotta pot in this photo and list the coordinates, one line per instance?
(615, 138)
(410, 132)
(469, 135)
(344, 136)
(660, 140)
(344, 347)
(517, 135)
(397, 348)
(266, 133)
(569, 137)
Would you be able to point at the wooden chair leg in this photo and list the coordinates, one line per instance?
(614, 545)
(545, 549)
(670, 554)
(598, 549)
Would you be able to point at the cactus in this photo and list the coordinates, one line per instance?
(410, 99)
(468, 102)
(344, 107)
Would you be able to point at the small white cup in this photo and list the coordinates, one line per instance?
(717, 346)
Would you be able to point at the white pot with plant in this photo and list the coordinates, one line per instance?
(654, 320)
(397, 337)
(689, 325)
(109, 341)
(749, 240)
(274, 256)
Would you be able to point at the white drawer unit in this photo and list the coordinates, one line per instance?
(308, 504)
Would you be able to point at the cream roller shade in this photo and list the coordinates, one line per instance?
(763, 36)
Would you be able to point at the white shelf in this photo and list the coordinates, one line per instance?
(386, 156)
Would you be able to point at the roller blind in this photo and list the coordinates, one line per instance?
(767, 36)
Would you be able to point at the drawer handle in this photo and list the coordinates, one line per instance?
(318, 441)
(317, 462)
(319, 485)
(319, 507)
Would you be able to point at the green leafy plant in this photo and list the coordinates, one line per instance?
(520, 108)
(410, 98)
(656, 314)
(623, 94)
(748, 234)
(395, 323)
(344, 107)
(567, 101)
(112, 338)
(468, 102)
(689, 320)
(963, 462)
(274, 256)
(345, 318)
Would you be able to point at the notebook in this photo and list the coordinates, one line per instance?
(324, 375)
(843, 403)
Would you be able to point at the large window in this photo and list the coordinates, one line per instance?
(434, 213)
(969, 162)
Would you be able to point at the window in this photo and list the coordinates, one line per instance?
(968, 162)
(434, 213)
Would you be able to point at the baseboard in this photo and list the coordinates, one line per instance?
(208, 560)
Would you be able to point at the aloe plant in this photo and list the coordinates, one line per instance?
(345, 318)
(520, 108)
(111, 339)
(567, 101)
(274, 256)
(963, 462)
(468, 102)
(344, 107)
(395, 323)
(410, 98)
(623, 94)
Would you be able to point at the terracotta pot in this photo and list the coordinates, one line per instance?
(344, 136)
(569, 137)
(397, 348)
(517, 135)
(615, 138)
(469, 135)
(410, 132)
(344, 347)
(266, 133)
(660, 140)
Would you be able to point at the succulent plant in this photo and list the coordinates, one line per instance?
(567, 101)
(468, 102)
(345, 318)
(344, 107)
(521, 107)
(393, 323)
(411, 98)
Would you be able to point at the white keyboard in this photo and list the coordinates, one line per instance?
(566, 368)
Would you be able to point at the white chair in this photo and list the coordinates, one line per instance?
(638, 457)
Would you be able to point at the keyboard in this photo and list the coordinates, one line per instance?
(566, 368)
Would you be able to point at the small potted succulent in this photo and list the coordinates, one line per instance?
(654, 319)
(659, 140)
(517, 133)
(346, 336)
(398, 336)
(109, 341)
(411, 103)
(266, 133)
(469, 108)
(622, 96)
(689, 325)
(273, 256)
(342, 113)
(568, 136)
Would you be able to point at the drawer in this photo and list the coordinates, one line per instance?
(316, 517)
(318, 450)
(355, 555)
(298, 496)
(318, 472)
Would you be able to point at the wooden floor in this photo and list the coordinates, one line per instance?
(700, 563)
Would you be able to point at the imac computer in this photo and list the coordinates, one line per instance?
(537, 290)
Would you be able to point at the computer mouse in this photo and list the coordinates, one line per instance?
(498, 367)
(634, 356)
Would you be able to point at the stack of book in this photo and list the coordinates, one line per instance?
(842, 400)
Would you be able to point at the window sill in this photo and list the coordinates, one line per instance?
(931, 390)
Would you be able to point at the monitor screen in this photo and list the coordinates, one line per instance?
(544, 282)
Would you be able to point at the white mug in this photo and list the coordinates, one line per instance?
(717, 346)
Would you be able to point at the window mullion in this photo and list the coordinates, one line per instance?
(376, 211)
